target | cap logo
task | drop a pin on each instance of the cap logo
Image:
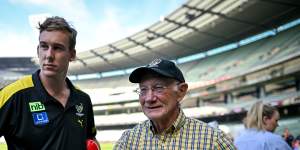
(154, 63)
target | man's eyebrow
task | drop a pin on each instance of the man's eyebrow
(54, 44)
(58, 44)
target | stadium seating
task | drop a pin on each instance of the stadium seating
(227, 64)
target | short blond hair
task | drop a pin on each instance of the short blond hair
(254, 118)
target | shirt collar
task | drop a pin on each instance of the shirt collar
(43, 92)
(177, 124)
(39, 86)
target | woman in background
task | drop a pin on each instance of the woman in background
(260, 123)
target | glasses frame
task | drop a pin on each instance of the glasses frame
(157, 89)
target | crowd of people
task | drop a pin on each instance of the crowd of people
(45, 110)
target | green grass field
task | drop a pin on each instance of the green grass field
(104, 146)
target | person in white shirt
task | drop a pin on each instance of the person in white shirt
(260, 123)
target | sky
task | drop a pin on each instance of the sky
(98, 22)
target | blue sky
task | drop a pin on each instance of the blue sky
(98, 22)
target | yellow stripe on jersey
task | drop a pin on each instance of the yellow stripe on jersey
(8, 91)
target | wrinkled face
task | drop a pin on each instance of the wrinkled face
(54, 53)
(159, 98)
(271, 123)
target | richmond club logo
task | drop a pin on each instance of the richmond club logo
(79, 109)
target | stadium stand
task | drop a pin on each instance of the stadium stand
(204, 102)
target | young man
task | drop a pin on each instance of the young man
(44, 110)
(161, 88)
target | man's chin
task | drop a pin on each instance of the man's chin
(153, 115)
(48, 72)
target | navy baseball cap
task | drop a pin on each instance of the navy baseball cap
(162, 67)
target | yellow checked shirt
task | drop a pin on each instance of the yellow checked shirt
(185, 133)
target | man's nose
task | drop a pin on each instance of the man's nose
(50, 51)
(50, 54)
(149, 95)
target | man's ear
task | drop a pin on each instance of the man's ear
(73, 54)
(182, 90)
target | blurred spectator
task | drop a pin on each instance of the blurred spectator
(296, 143)
(288, 137)
(260, 123)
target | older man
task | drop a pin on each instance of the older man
(161, 88)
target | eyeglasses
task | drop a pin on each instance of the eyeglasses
(157, 89)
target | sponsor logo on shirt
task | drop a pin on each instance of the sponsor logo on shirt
(39, 115)
(40, 118)
(36, 106)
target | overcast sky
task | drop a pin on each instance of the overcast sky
(98, 22)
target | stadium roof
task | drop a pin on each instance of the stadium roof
(17, 66)
(194, 27)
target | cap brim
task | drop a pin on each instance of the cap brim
(137, 74)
